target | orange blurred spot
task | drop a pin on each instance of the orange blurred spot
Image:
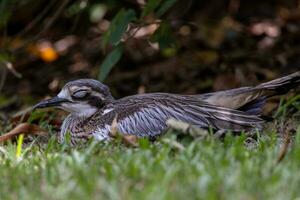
(48, 54)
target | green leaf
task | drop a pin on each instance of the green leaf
(111, 59)
(118, 26)
(166, 5)
(150, 7)
(5, 11)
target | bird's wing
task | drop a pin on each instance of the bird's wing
(148, 117)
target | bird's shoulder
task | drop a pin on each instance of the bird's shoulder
(156, 99)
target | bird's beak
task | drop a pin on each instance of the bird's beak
(56, 101)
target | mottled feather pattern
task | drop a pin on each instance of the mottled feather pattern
(146, 115)
(77, 128)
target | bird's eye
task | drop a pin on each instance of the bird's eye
(80, 94)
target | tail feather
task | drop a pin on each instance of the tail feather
(281, 85)
(235, 120)
(252, 99)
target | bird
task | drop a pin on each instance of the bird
(93, 110)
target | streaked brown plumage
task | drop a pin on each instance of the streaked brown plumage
(93, 109)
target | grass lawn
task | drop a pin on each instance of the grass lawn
(204, 169)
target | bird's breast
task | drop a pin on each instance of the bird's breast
(81, 129)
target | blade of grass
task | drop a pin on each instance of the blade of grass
(19, 145)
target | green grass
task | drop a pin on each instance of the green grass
(205, 169)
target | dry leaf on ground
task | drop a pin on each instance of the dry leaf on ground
(23, 128)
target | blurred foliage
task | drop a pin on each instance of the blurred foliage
(180, 46)
(5, 12)
(110, 61)
(118, 26)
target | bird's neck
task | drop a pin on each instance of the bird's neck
(89, 111)
(85, 112)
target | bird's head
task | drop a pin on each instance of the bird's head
(81, 97)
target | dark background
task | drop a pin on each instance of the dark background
(206, 46)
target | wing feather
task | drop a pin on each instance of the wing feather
(150, 119)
